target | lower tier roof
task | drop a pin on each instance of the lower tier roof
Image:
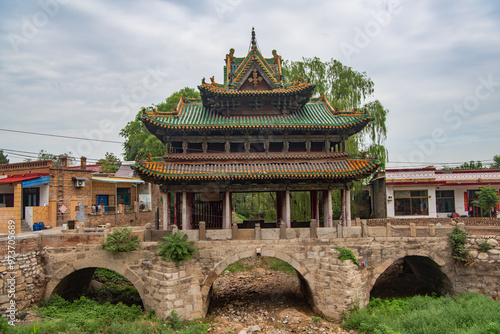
(332, 170)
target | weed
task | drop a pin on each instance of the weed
(457, 240)
(316, 320)
(347, 254)
(121, 240)
(238, 266)
(484, 246)
(176, 247)
(278, 265)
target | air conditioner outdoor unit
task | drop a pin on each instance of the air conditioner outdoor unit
(79, 183)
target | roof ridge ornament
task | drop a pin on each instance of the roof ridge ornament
(253, 42)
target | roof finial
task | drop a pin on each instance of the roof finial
(254, 42)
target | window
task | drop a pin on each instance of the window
(123, 195)
(317, 146)
(195, 148)
(411, 203)
(445, 200)
(275, 147)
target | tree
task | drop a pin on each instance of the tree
(346, 89)
(487, 198)
(471, 165)
(3, 158)
(44, 155)
(110, 163)
(496, 162)
(139, 142)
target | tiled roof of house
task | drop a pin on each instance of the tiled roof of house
(317, 114)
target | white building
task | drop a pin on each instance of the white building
(427, 192)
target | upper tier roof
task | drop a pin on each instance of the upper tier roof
(315, 115)
(256, 77)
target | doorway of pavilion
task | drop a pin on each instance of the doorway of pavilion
(220, 209)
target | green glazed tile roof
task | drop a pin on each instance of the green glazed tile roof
(315, 114)
(338, 169)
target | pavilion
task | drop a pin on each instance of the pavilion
(253, 133)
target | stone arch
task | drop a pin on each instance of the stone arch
(382, 267)
(305, 277)
(85, 265)
(425, 264)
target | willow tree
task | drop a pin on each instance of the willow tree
(346, 89)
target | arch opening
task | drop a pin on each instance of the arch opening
(99, 284)
(411, 276)
(259, 286)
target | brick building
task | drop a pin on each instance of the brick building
(39, 191)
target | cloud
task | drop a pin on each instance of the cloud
(66, 76)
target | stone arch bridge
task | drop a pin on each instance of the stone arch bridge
(65, 263)
(330, 285)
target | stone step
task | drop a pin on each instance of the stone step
(25, 227)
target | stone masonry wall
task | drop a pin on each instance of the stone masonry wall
(483, 273)
(22, 274)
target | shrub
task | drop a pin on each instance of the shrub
(347, 254)
(484, 246)
(121, 240)
(175, 247)
(458, 239)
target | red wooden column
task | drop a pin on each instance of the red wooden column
(288, 220)
(177, 209)
(327, 208)
(348, 207)
(190, 210)
(315, 206)
(279, 206)
(185, 222)
(226, 210)
(165, 197)
(343, 207)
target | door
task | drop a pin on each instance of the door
(31, 197)
(103, 200)
(474, 209)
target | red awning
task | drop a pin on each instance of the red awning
(21, 177)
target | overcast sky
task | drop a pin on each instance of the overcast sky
(84, 68)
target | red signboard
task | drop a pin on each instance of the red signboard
(466, 201)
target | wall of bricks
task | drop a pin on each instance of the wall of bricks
(121, 219)
(14, 213)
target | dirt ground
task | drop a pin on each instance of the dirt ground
(263, 301)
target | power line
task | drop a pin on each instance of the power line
(34, 155)
(60, 136)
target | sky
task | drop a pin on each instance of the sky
(83, 69)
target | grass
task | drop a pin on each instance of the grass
(466, 313)
(88, 316)
(105, 275)
(261, 262)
